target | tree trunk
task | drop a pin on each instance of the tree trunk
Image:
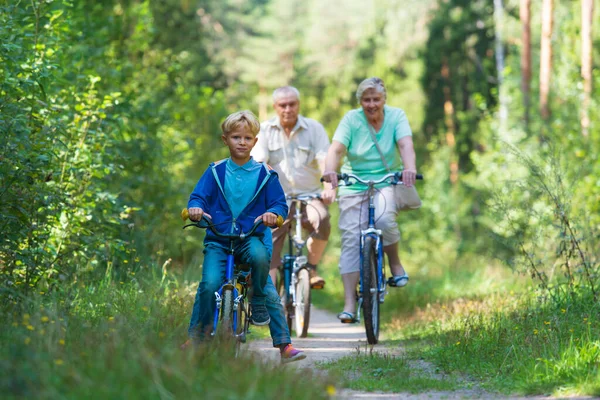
(449, 122)
(499, 27)
(587, 14)
(546, 57)
(525, 15)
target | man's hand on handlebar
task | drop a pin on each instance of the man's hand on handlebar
(328, 196)
(196, 213)
(268, 219)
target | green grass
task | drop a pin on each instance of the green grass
(515, 343)
(120, 339)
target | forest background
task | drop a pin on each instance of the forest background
(110, 111)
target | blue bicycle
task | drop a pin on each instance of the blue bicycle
(232, 298)
(372, 284)
(294, 277)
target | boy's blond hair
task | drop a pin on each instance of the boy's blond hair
(241, 119)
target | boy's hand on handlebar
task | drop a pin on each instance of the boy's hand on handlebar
(196, 213)
(331, 177)
(409, 177)
(328, 196)
(268, 219)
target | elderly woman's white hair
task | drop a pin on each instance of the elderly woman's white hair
(371, 83)
(285, 90)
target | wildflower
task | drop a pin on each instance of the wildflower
(457, 343)
(330, 390)
(562, 310)
(585, 319)
(61, 342)
(27, 340)
(59, 362)
(25, 316)
(571, 330)
(145, 308)
(45, 319)
(30, 327)
(535, 331)
(111, 319)
(546, 322)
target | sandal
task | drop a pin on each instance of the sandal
(398, 280)
(346, 317)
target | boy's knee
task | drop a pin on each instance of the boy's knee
(259, 255)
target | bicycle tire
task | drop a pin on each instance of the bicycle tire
(227, 312)
(370, 286)
(302, 309)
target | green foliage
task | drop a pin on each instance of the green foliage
(127, 332)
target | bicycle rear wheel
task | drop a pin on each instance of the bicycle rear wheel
(302, 309)
(370, 285)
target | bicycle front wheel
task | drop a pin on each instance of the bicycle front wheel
(302, 309)
(227, 313)
(370, 286)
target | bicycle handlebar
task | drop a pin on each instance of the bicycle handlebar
(394, 177)
(206, 223)
(302, 197)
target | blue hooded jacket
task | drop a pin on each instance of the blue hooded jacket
(209, 195)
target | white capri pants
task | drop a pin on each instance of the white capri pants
(354, 216)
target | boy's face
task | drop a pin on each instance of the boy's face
(240, 142)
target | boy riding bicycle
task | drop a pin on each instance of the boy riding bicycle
(234, 193)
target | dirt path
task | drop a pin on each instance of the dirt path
(329, 339)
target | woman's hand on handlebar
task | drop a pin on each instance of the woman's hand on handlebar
(268, 218)
(196, 213)
(409, 177)
(331, 177)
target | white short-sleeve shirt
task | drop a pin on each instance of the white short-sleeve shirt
(295, 159)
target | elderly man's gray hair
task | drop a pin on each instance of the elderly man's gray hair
(371, 83)
(283, 91)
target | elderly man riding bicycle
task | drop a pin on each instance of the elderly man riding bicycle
(296, 147)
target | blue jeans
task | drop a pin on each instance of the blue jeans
(251, 251)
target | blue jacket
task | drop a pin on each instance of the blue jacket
(209, 195)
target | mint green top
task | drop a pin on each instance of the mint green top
(240, 184)
(362, 157)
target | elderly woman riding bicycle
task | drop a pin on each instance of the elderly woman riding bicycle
(376, 139)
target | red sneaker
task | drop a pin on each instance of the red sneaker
(290, 354)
